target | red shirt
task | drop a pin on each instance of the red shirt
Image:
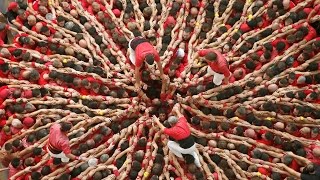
(317, 9)
(4, 138)
(90, 10)
(180, 130)
(142, 50)
(310, 155)
(221, 66)
(3, 33)
(294, 165)
(42, 81)
(59, 140)
(13, 171)
(311, 34)
(35, 4)
(244, 27)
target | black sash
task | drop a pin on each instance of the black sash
(187, 142)
(135, 42)
(53, 150)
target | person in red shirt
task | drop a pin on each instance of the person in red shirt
(183, 142)
(58, 144)
(141, 50)
(218, 65)
(14, 167)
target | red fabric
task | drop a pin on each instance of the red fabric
(4, 138)
(84, 91)
(311, 34)
(90, 10)
(116, 12)
(276, 41)
(41, 80)
(13, 171)
(170, 21)
(28, 121)
(291, 5)
(263, 171)
(3, 122)
(37, 159)
(142, 50)
(244, 27)
(12, 5)
(180, 130)
(4, 93)
(220, 66)
(3, 33)
(294, 165)
(317, 9)
(59, 140)
(27, 94)
(310, 155)
(307, 10)
(264, 141)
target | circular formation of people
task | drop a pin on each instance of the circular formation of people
(160, 89)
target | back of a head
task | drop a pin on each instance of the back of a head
(211, 56)
(172, 120)
(149, 59)
(65, 126)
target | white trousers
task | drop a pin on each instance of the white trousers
(217, 77)
(132, 53)
(61, 156)
(178, 151)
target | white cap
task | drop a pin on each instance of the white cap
(180, 53)
(50, 16)
(16, 123)
(93, 162)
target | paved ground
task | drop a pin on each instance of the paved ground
(3, 174)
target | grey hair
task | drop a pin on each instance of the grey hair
(172, 120)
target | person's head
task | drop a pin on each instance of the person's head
(314, 132)
(35, 175)
(172, 120)
(279, 126)
(8, 147)
(37, 151)
(310, 168)
(316, 152)
(65, 127)
(149, 59)
(29, 161)
(211, 56)
(250, 133)
(15, 162)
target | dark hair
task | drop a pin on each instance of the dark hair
(269, 136)
(15, 162)
(16, 143)
(252, 23)
(149, 59)
(243, 149)
(17, 52)
(44, 29)
(211, 56)
(271, 14)
(301, 152)
(35, 175)
(280, 46)
(225, 126)
(37, 151)
(56, 161)
(65, 126)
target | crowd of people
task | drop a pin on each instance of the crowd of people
(160, 89)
